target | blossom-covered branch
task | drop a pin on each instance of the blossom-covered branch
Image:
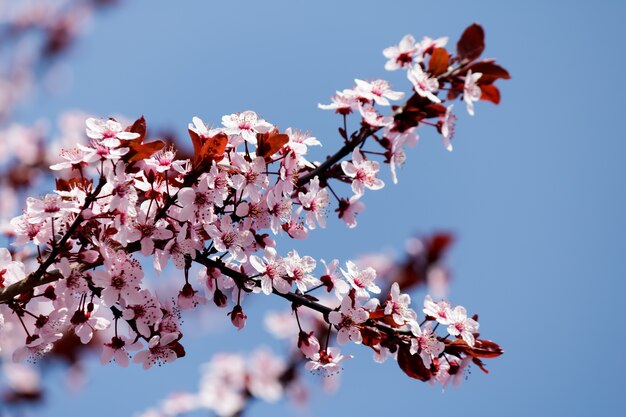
(246, 182)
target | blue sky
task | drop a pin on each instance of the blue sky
(532, 189)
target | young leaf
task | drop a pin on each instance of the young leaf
(472, 42)
(270, 143)
(490, 92)
(439, 62)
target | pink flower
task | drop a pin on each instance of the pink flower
(250, 177)
(299, 269)
(108, 132)
(471, 91)
(361, 280)
(188, 298)
(163, 160)
(448, 122)
(146, 312)
(331, 279)
(348, 209)
(237, 317)
(85, 322)
(264, 376)
(315, 202)
(75, 158)
(438, 311)
(343, 102)
(246, 125)
(402, 55)
(427, 44)
(230, 238)
(10, 271)
(425, 343)
(373, 118)
(346, 320)
(363, 173)
(397, 305)
(326, 362)
(308, 344)
(272, 272)
(423, 84)
(120, 277)
(158, 351)
(378, 90)
(461, 325)
(116, 350)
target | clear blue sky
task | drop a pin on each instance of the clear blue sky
(532, 189)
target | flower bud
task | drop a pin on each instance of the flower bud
(237, 317)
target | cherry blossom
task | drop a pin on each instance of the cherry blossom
(121, 278)
(471, 91)
(158, 352)
(343, 102)
(272, 271)
(425, 343)
(363, 172)
(448, 123)
(378, 90)
(349, 208)
(398, 306)
(347, 320)
(246, 124)
(108, 133)
(299, 270)
(361, 280)
(315, 203)
(423, 84)
(461, 325)
(326, 361)
(402, 55)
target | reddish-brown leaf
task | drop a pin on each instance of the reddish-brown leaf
(196, 141)
(214, 147)
(270, 143)
(139, 151)
(472, 42)
(480, 364)
(437, 245)
(67, 185)
(490, 92)
(209, 149)
(439, 61)
(412, 365)
(486, 349)
(139, 127)
(490, 71)
(481, 349)
(371, 337)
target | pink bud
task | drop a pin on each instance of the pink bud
(237, 317)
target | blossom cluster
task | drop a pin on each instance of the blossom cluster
(123, 205)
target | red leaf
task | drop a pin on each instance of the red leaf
(480, 364)
(270, 143)
(486, 349)
(412, 365)
(139, 127)
(437, 245)
(490, 92)
(481, 349)
(490, 71)
(139, 151)
(206, 150)
(439, 61)
(472, 42)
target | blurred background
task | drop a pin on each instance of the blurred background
(532, 190)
